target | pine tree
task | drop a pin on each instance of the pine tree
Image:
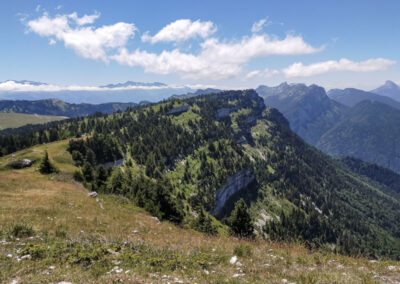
(46, 167)
(240, 220)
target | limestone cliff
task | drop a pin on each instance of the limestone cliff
(234, 183)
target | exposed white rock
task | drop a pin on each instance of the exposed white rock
(92, 194)
(238, 275)
(233, 259)
(28, 256)
(233, 184)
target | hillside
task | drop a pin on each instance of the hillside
(374, 172)
(190, 161)
(350, 97)
(309, 110)
(59, 108)
(14, 120)
(74, 240)
(369, 132)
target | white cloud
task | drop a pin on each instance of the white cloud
(181, 30)
(258, 26)
(87, 41)
(262, 73)
(370, 65)
(216, 60)
(84, 20)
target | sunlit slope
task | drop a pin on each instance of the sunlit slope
(13, 120)
(75, 240)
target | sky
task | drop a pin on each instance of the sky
(226, 44)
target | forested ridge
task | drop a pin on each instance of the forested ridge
(177, 154)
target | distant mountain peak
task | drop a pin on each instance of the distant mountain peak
(134, 84)
(390, 84)
(28, 82)
(389, 89)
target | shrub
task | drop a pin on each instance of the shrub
(21, 231)
(242, 250)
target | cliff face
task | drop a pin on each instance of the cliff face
(233, 184)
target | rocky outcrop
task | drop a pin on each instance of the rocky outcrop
(20, 164)
(234, 183)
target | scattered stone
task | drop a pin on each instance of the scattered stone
(391, 267)
(110, 251)
(238, 263)
(206, 272)
(52, 267)
(238, 275)
(101, 205)
(78, 217)
(156, 219)
(92, 194)
(28, 256)
(14, 281)
(9, 255)
(135, 231)
(284, 280)
(373, 261)
(233, 259)
(116, 262)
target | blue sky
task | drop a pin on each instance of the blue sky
(330, 43)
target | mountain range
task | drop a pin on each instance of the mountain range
(60, 108)
(128, 92)
(347, 122)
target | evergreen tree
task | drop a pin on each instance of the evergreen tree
(240, 220)
(46, 167)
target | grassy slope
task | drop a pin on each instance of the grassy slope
(150, 251)
(13, 120)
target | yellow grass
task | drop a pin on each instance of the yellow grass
(56, 202)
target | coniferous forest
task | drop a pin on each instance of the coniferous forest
(226, 160)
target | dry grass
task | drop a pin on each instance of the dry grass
(55, 203)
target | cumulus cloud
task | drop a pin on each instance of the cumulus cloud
(216, 60)
(87, 41)
(262, 73)
(370, 65)
(258, 26)
(181, 30)
(84, 20)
